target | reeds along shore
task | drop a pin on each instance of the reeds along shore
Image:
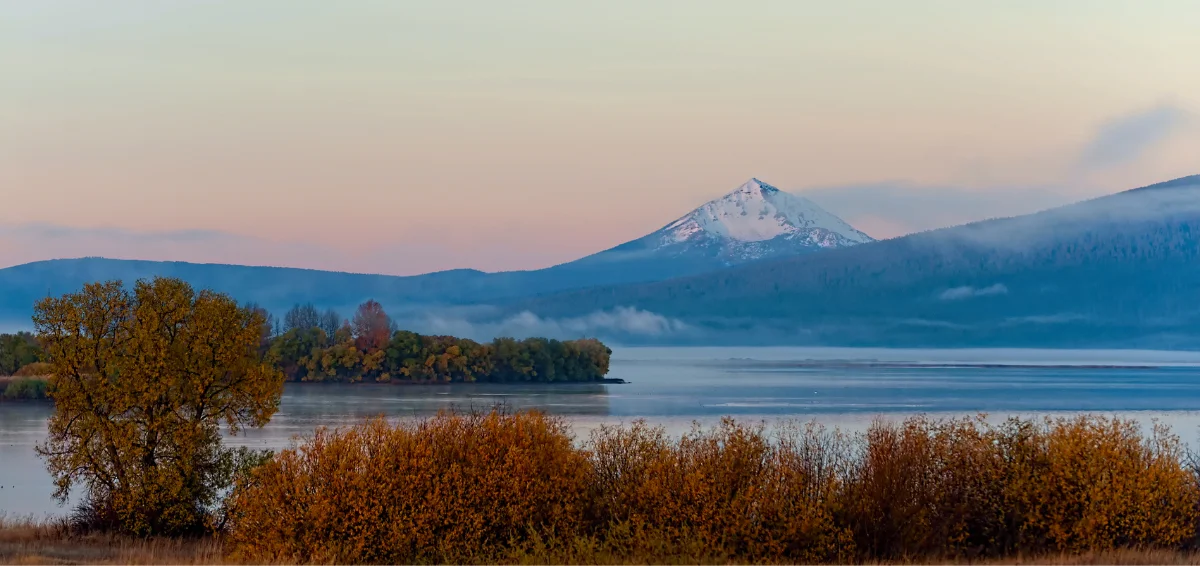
(515, 488)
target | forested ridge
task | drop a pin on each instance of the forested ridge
(1143, 230)
(1117, 271)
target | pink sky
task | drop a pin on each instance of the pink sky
(402, 137)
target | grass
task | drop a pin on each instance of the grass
(29, 541)
(26, 541)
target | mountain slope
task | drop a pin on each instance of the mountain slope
(1119, 270)
(273, 287)
(753, 222)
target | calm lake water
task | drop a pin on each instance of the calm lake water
(675, 387)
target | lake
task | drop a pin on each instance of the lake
(675, 387)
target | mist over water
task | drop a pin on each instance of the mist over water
(676, 387)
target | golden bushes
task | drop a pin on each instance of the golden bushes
(35, 369)
(450, 488)
(729, 490)
(499, 487)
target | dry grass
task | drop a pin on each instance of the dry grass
(32, 542)
(27, 541)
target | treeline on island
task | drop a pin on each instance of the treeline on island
(312, 346)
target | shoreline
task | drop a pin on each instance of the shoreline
(36, 394)
(5, 381)
(404, 383)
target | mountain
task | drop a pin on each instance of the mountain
(754, 222)
(1116, 271)
(273, 287)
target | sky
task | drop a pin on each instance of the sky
(404, 137)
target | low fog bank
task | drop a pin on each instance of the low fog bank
(631, 326)
(623, 325)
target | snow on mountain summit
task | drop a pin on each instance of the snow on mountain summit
(755, 221)
(758, 212)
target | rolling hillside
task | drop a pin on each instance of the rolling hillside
(1117, 271)
(751, 223)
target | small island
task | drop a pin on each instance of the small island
(309, 346)
(312, 347)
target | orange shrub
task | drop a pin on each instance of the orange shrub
(1095, 483)
(733, 490)
(957, 488)
(452, 488)
(513, 488)
(36, 369)
(927, 488)
(702, 489)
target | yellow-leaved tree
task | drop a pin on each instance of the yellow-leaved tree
(142, 381)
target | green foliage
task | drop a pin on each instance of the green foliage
(26, 388)
(17, 351)
(360, 352)
(371, 350)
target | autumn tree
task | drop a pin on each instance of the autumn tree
(372, 327)
(142, 381)
(267, 330)
(301, 317)
(330, 322)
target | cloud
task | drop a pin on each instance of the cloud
(889, 210)
(1061, 318)
(26, 243)
(35, 242)
(967, 292)
(619, 321)
(1126, 139)
(924, 322)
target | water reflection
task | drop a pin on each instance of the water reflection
(305, 407)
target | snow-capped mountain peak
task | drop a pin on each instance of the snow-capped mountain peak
(754, 221)
(759, 212)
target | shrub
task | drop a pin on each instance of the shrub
(734, 491)
(513, 488)
(35, 369)
(454, 488)
(26, 388)
(1095, 483)
(958, 488)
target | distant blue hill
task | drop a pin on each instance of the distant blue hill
(752, 223)
(1121, 271)
(1118, 271)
